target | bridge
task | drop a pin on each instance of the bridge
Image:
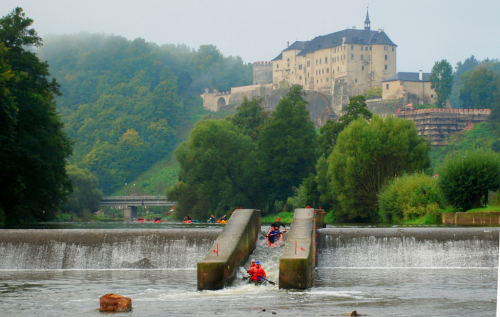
(130, 203)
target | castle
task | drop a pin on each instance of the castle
(338, 66)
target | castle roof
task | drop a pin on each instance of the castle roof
(406, 76)
(352, 36)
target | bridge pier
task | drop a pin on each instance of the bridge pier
(129, 213)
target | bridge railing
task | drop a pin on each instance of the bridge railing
(114, 198)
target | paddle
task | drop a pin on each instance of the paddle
(270, 282)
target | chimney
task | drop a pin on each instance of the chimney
(287, 44)
(420, 75)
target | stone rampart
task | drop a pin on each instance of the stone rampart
(231, 249)
(437, 124)
(298, 260)
(238, 93)
(263, 73)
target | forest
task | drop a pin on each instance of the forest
(125, 102)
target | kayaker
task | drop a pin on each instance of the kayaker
(273, 234)
(278, 223)
(257, 272)
(223, 218)
(212, 219)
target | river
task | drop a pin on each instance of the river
(364, 274)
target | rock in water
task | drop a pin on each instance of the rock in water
(115, 303)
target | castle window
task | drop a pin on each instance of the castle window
(327, 70)
(370, 48)
(316, 62)
(338, 69)
(277, 65)
(300, 66)
(386, 86)
(393, 49)
(352, 47)
(352, 56)
(361, 47)
(317, 81)
(307, 75)
(321, 80)
(326, 60)
(300, 77)
(385, 67)
(288, 64)
(362, 57)
(362, 67)
(366, 48)
(385, 48)
(355, 80)
(432, 96)
(288, 60)
(320, 61)
(308, 63)
(327, 80)
(385, 57)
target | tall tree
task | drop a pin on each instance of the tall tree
(287, 146)
(250, 117)
(478, 88)
(329, 132)
(216, 170)
(442, 80)
(33, 182)
(366, 156)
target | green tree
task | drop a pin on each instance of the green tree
(287, 147)
(329, 132)
(409, 197)
(34, 182)
(250, 117)
(86, 195)
(216, 170)
(465, 177)
(366, 156)
(374, 92)
(442, 80)
(479, 87)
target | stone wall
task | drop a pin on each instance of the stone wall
(437, 124)
(238, 93)
(385, 106)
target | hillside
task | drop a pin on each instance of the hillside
(127, 104)
(484, 135)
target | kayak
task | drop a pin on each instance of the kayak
(157, 221)
(256, 283)
(277, 240)
(188, 221)
(141, 220)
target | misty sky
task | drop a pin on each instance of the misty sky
(424, 30)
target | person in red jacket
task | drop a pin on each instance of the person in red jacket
(257, 272)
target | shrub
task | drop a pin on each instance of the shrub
(465, 177)
(410, 197)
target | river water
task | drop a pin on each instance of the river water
(379, 284)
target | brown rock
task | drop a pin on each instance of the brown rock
(115, 303)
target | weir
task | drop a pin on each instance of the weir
(231, 249)
(84, 249)
(408, 247)
(298, 260)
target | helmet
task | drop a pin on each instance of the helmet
(257, 262)
(253, 260)
(278, 219)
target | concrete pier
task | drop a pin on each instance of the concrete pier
(298, 260)
(129, 213)
(231, 249)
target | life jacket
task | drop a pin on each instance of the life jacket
(257, 272)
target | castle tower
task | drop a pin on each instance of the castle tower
(367, 21)
(262, 73)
